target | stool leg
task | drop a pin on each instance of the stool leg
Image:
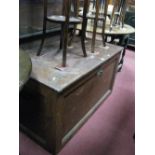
(44, 27)
(42, 43)
(67, 6)
(76, 9)
(61, 38)
(83, 45)
(43, 39)
(95, 26)
(104, 23)
(84, 25)
(72, 34)
(123, 42)
(83, 33)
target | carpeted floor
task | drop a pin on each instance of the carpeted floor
(110, 130)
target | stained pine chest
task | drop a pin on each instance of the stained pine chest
(54, 104)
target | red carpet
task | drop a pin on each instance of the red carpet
(110, 130)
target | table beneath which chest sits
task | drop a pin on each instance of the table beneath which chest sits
(54, 104)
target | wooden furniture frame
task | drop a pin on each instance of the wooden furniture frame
(117, 17)
(65, 20)
(97, 5)
(95, 24)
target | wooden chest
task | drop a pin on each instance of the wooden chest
(54, 104)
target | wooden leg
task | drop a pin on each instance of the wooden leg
(43, 38)
(72, 34)
(104, 38)
(41, 46)
(83, 33)
(84, 25)
(104, 23)
(67, 6)
(61, 38)
(64, 49)
(76, 11)
(83, 46)
(123, 42)
(95, 27)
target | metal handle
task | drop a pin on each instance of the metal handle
(100, 72)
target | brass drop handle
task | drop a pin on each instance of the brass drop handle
(100, 72)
